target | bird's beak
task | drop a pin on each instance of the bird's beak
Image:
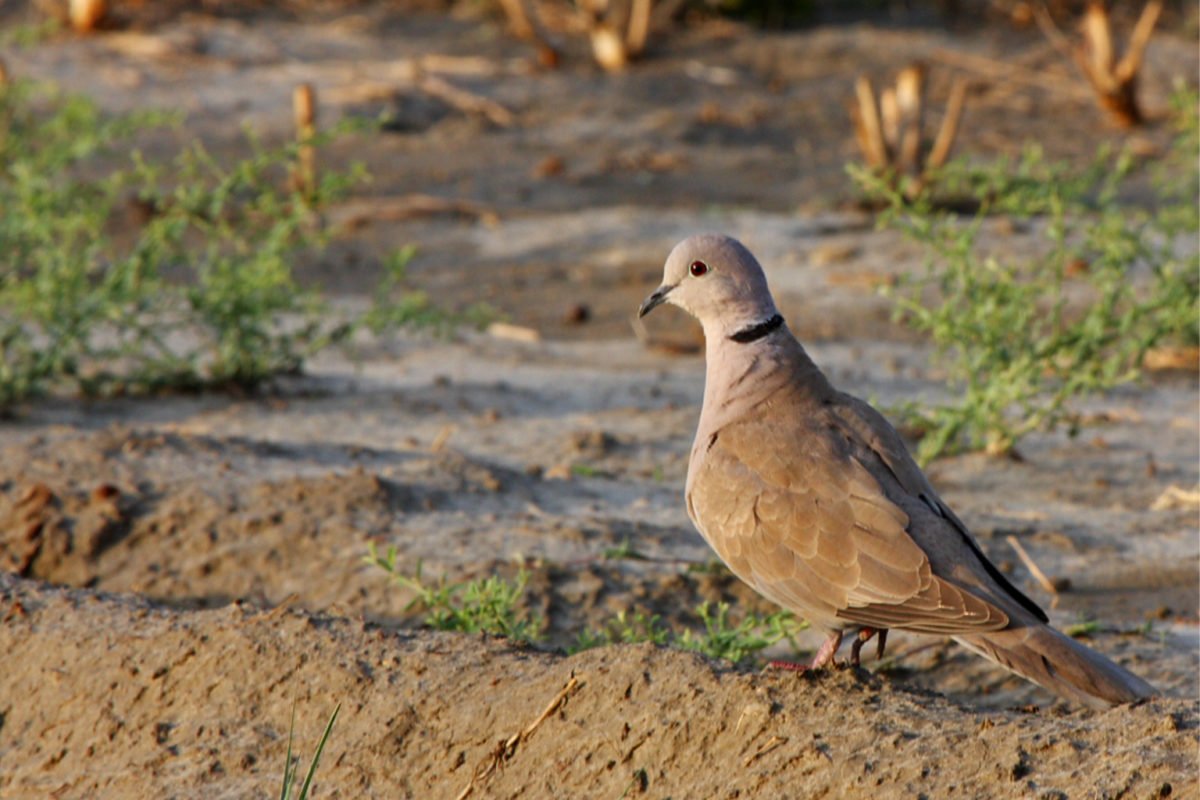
(656, 299)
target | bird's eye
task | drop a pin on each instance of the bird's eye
(698, 268)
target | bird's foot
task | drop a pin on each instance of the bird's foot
(864, 635)
(824, 656)
(822, 659)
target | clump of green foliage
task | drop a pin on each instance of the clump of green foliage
(288, 789)
(125, 274)
(489, 605)
(719, 637)
(1021, 339)
(493, 605)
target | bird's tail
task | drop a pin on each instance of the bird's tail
(1059, 663)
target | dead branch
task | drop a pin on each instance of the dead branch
(518, 18)
(891, 131)
(910, 96)
(948, 130)
(616, 29)
(526, 25)
(465, 101)
(87, 14)
(304, 111)
(608, 48)
(639, 27)
(1114, 81)
(867, 127)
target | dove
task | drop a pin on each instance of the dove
(811, 497)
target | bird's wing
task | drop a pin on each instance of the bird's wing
(791, 511)
(882, 451)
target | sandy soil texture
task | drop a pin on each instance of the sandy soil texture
(181, 572)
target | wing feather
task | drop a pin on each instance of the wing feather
(811, 528)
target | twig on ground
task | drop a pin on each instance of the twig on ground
(773, 743)
(465, 101)
(1050, 586)
(506, 749)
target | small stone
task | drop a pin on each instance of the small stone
(577, 314)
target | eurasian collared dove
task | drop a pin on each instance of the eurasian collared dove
(810, 496)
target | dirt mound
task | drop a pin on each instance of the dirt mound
(198, 703)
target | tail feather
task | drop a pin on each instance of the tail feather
(1057, 662)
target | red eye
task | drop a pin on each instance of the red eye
(698, 268)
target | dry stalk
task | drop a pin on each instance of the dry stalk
(890, 130)
(87, 14)
(639, 27)
(617, 29)
(506, 749)
(304, 111)
(526, 25)
(1114, 80)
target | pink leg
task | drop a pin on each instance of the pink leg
(823, 658)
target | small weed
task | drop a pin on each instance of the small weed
(20, 37)
(289, 769)
(492, 605)
(712, 566)
(719, 638)
(398, 305)
(625, 628)
(588, 471)
(1021, 341)
(489, 605)
(741, 642)
(1082, 630)
(624, 551)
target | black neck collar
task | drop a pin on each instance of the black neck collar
(757, 331)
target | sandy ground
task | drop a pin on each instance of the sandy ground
(183, 571)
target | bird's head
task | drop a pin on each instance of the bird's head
(716, 280)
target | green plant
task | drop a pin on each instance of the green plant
(289, 768)
(1020, 340)
(1082, 630)
(624, 551)
(490, 605)
(194, 288)
(625, 628)
(742, 641)
(397, 304)
(719, 637)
